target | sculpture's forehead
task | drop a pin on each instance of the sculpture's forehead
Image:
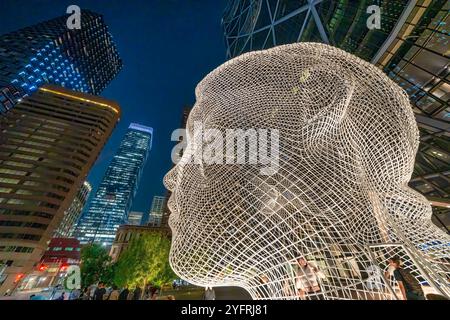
(278, 60)
(271, 98)
(297, 80)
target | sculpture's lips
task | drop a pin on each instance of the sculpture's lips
(173, 212)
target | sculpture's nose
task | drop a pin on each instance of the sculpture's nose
(170, 179)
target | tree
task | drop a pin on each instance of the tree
(144, 261)
(95, 265)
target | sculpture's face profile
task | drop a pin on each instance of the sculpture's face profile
(347, 143)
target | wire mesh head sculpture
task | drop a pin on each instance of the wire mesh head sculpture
(339, 198)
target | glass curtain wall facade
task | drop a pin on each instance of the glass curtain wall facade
(412, 47)
(258, 24)
(112, 202)
(84, 60)
(72, 214)
(135, 218)
(156, 212)
(418, 59)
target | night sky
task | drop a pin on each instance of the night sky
(167, 47)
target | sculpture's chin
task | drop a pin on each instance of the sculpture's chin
(190, 265)
(191, 274)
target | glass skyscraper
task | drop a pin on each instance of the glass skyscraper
(412, 48)
(84, 60)
(135, 218)
(156, 212)
(112, 202)
(73, 213)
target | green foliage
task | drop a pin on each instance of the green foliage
(145, 261)
(95, 265)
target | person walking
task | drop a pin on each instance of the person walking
(137, 293)
(155, 295)
(410, 287)
(98, 294)
(307, 280)
(91, 292)
(74, 294)
(108, 291)
(114, 295)
(85, 294)
(124, 294)
(209, 294)
(62, 296)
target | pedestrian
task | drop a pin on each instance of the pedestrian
(85, 294)
(155, 295)
(209, 294)
(74, 294)
(263, 286)
(146, 294)
(62, 296)
(100, 291)
(114, 295)
(92, 290)
(107, 293)
(137, 293)
(408, 284)
(307, 281)
(124, 294)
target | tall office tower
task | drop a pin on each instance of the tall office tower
(411, 47)
(135, 218)
(84, 60)
(112, 202)
(156, 212)
(50, 140)
(73, 213)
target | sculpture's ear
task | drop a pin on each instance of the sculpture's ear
(321, 129)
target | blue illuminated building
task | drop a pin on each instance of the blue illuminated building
(112, 203)
(83, 59)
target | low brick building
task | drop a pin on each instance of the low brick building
(126, 233)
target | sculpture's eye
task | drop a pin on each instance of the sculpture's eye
(321, 88)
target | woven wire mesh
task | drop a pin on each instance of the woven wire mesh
(340, 199)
